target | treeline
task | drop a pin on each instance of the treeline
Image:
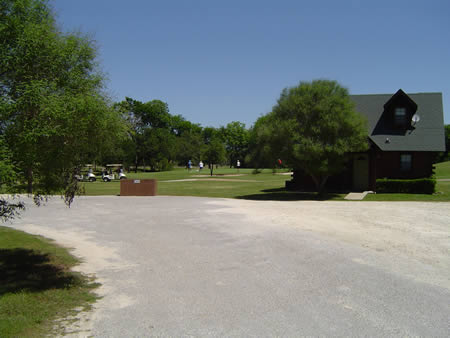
(154, 139)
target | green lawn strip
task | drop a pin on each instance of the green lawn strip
(442, 170)
(181, 173)
(99, 188)
(263, 186)
(207, 186)
(37, 286)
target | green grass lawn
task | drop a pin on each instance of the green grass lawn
(443, 170)
(36, 285)
(262, 186)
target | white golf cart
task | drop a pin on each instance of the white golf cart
(89, 176)
(108, 174)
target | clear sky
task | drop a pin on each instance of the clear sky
(220, 61)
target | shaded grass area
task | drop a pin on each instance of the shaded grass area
(281, 194)
(36, 285)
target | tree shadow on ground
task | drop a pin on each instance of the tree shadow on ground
(281, 194)
(29, 270)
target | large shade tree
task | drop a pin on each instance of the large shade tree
(54, 113)
(315, 126)
(151, 132)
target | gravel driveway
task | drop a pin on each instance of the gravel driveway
(185, 266)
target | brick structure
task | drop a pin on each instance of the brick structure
(138, 187)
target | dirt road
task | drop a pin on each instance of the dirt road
(182, 266)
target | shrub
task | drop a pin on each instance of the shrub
(412, 186)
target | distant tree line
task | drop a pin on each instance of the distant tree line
(156, 140)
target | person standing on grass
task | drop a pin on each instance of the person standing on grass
(238, 165)
(200, 165)
(189, 165)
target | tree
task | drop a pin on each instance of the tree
(320, 127)
(132, 145)
(236, 137)
(208, 134)
(265, 143)
(159, 148)
(447, 140)
(214, 153)
(54, 112)
(154, 114)
(179, 126)
(445, 156)
(151, 132)
(8, 177)
(190, 146)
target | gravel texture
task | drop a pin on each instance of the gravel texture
(185, 266)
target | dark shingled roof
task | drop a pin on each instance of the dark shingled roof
(427, 134)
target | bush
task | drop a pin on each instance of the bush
(414, 186)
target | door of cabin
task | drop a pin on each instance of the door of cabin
(361, 172)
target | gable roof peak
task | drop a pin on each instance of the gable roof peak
(400, 95)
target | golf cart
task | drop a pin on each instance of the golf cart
(89, 176)
(107, 174)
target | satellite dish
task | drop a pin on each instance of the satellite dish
(415, 119)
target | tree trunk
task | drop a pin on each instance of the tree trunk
(321, 189)
(135, 164)
(320, 184)
(212, 168)
(30, 180)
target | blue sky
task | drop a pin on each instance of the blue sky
(220, 61)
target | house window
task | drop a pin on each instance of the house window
(405, 162)
(400, 116)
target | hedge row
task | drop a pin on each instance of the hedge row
(416, 186)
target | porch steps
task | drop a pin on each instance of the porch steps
(357, 196)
